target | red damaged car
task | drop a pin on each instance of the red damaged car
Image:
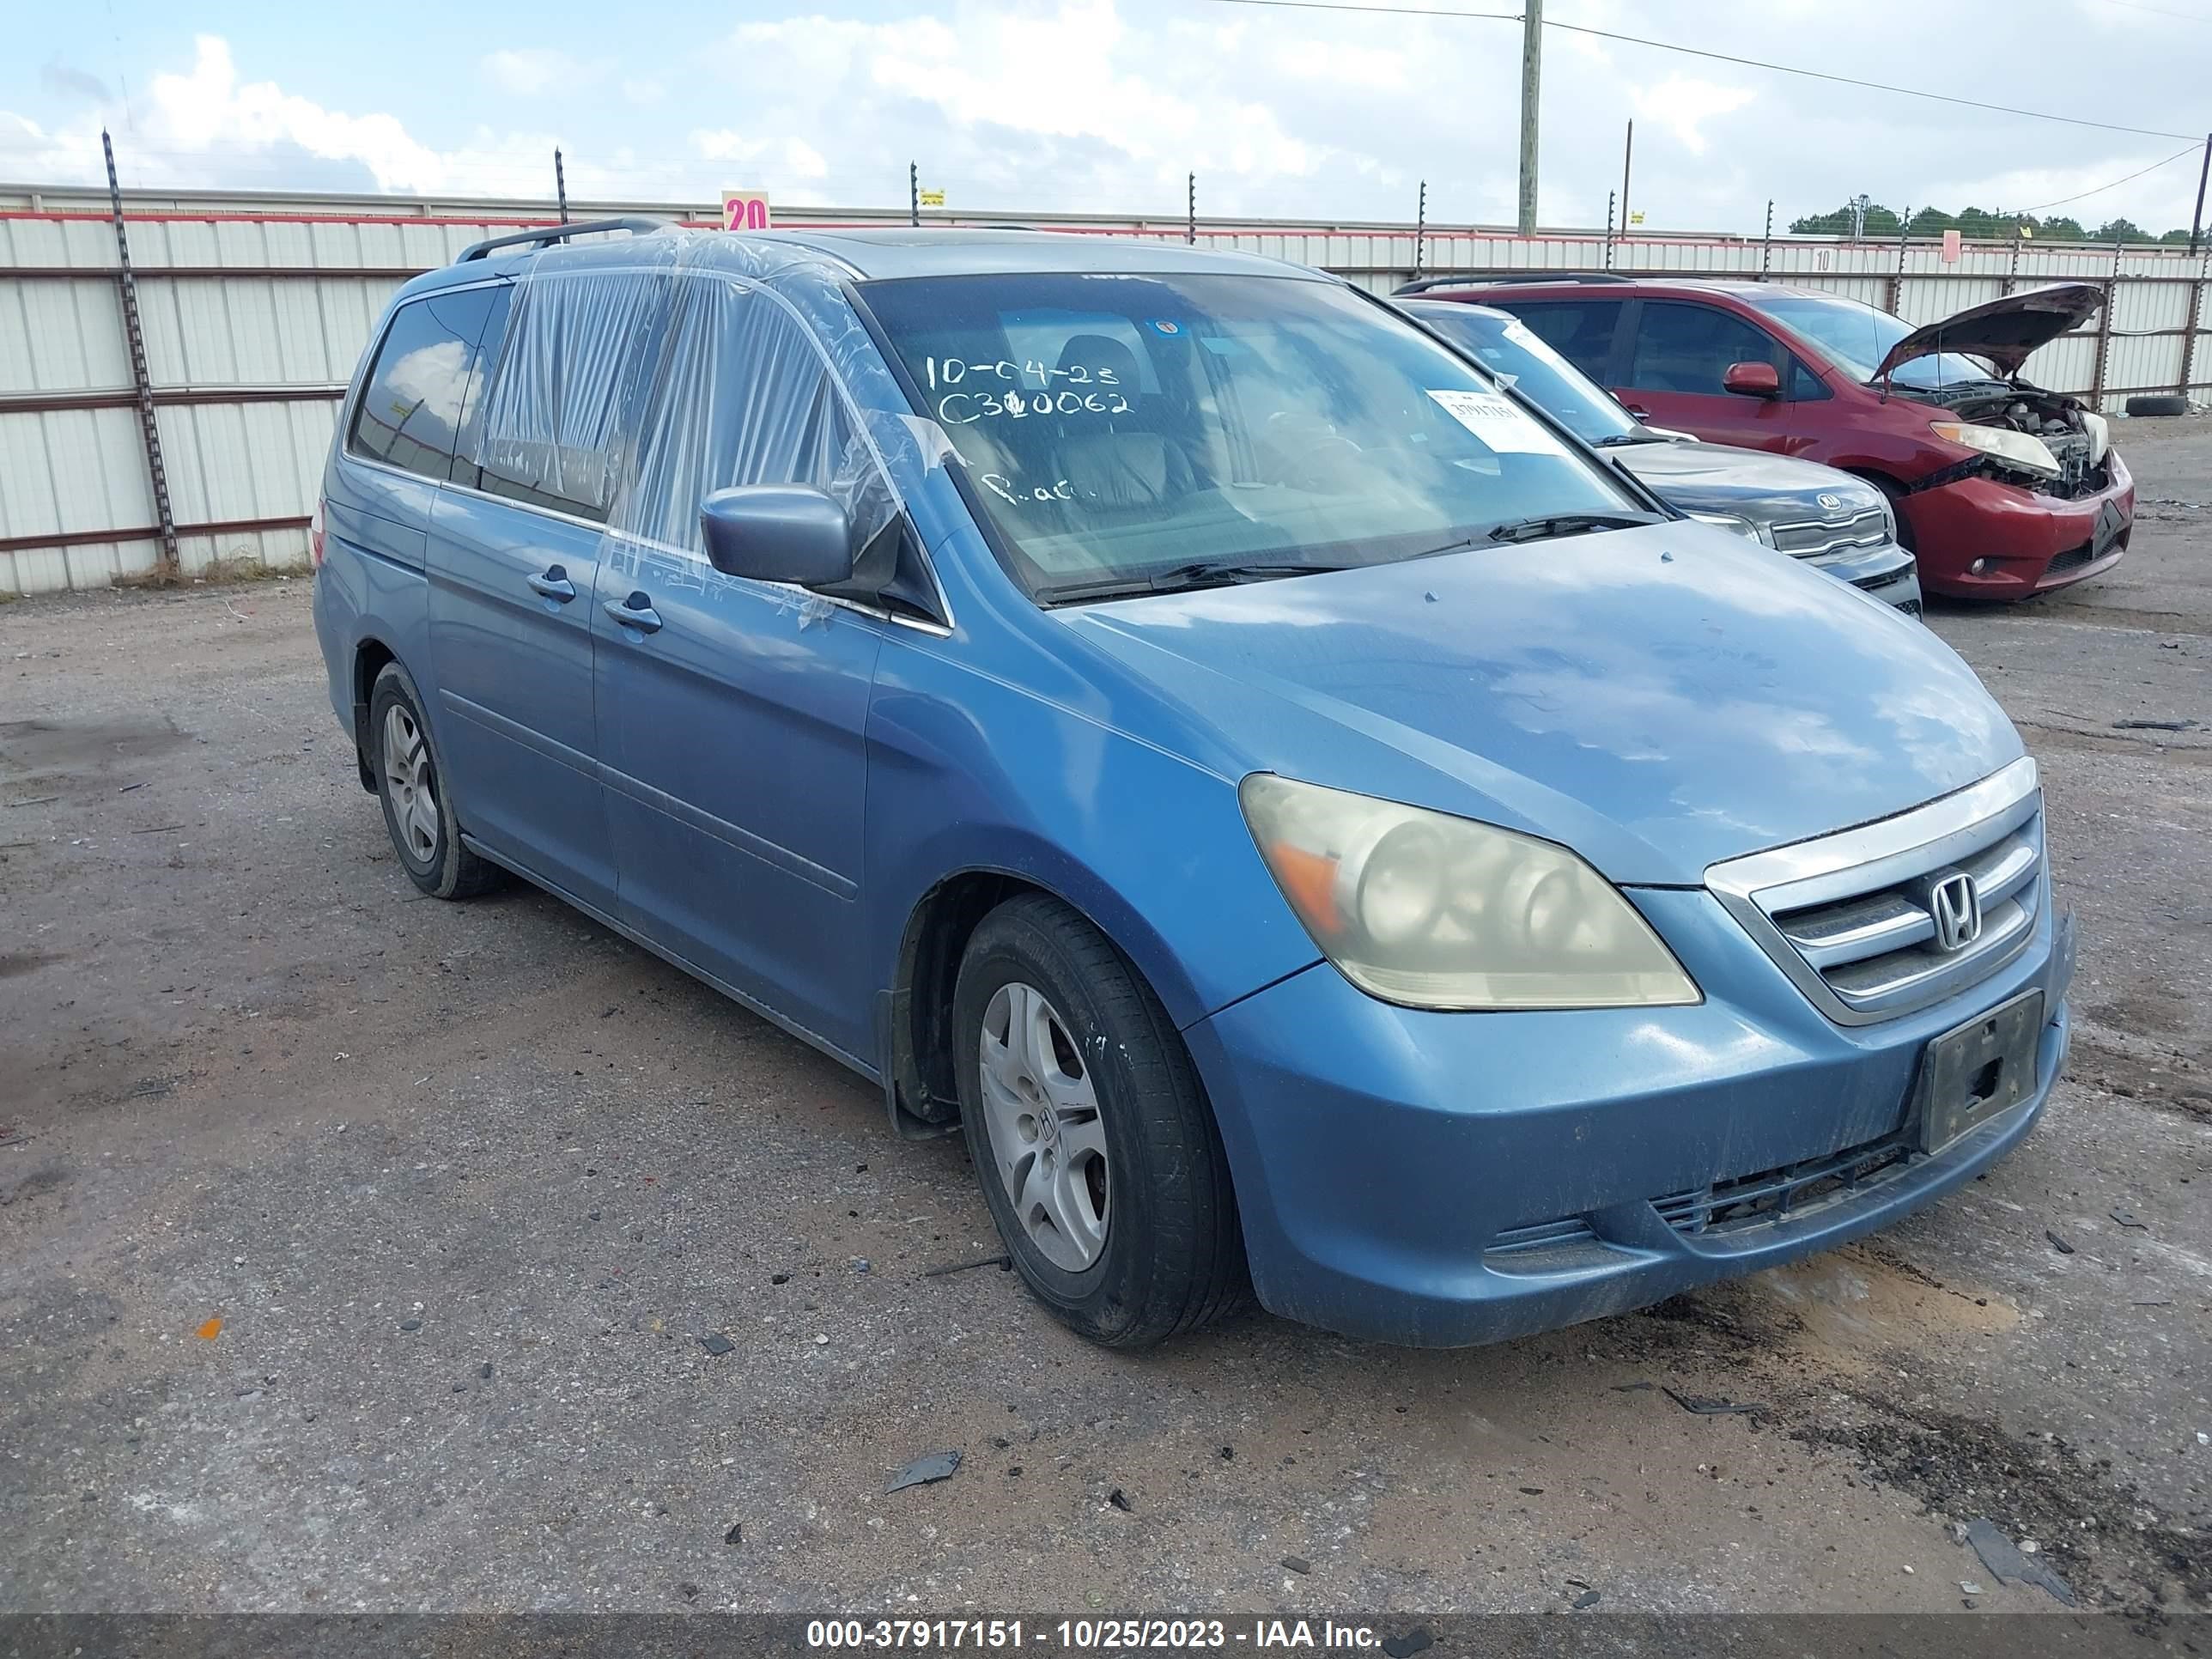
(2002, 490)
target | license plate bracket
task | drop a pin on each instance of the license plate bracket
(1976, 1070)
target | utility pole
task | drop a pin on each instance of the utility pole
(2197, 219)
(561, 186)
(1627, 160)
(1420, 226)
(1609, 230)
(1532, 67)
(1766, 247)
(1190, 207)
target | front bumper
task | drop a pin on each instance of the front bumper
(1394, 1167)
(1887, 572)
(2028, 543)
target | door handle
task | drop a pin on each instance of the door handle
(553, 585)
(635, 611)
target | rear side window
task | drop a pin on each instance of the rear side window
(465, 468)
(1581, 330)
(1688, 348)
(569, 375)
(410, 409)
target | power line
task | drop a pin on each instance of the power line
(1719, 56)
(2178, 155)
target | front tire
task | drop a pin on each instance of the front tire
(1091, 1135)
(410, 783)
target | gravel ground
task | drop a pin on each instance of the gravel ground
(356, 1248)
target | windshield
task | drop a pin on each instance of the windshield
(1856, 338)
(1508, 349)
(1118, 428)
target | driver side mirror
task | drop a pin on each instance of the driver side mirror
(778, 533)
(1752, 380)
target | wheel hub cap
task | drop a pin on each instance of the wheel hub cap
(411, 784)
(1047, 1140)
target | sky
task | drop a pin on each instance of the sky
(1105, 105)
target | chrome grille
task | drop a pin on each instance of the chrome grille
(1812, 539)
(1849, 917)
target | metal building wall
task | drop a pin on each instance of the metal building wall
(256, 309)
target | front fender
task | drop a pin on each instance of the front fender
(969, 774)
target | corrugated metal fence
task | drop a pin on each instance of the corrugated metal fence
(255, 307)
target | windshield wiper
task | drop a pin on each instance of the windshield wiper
(1181, 578)
(1612, 440)
(1566, 523)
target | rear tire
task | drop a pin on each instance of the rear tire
(1092, 1139)
(409, 778)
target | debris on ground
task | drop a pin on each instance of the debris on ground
(716, 1344)
(1587, 1599)
(1002, 1263)
(1633, 1388)
(1968, 1586)
(2011, 1564)
(2153, 725)
(1297, 1564)
(935, 1466)
(2128, 1219)
(1698, 1404)
(484, 1370)
(735, 1534)
(410, 1324)
(1414, 1641)
(1119, 1499)
(2058, 1244)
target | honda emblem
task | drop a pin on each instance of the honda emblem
(1954, 904)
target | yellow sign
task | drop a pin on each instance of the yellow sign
(745, 210)
(932, 198)
(1635, 218)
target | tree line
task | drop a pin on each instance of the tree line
(1983, 223)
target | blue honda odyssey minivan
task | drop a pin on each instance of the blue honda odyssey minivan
(1318, 830)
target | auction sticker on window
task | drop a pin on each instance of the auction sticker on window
(1498, 423)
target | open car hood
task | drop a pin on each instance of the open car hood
(2003, 330)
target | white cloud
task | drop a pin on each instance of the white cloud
(1683, 105)
(1021, 106)
(776, 162)
(528, 70)
(207, 108)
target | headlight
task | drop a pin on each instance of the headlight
(1740, 526)
(1437, 912)
(2019, 449)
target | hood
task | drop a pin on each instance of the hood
(1657, 699)
(1700, 477)
(2006, 331)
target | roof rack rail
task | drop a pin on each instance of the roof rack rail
(1505, 278)
(637, 226)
